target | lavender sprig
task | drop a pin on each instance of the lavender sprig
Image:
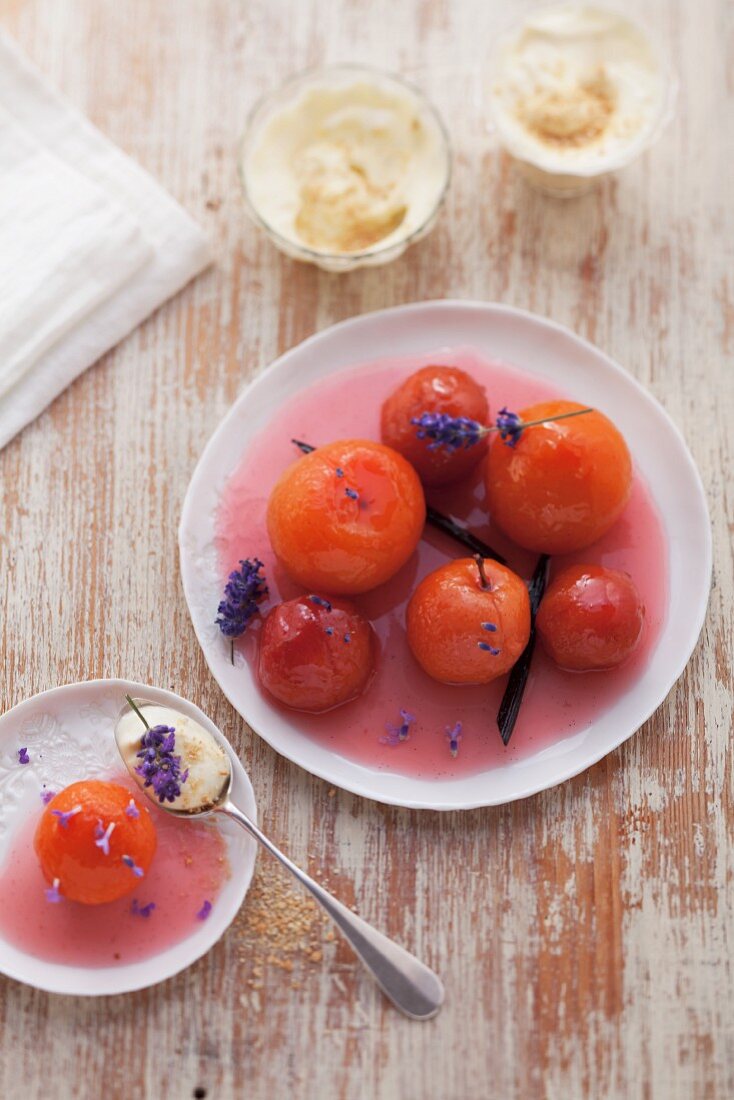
(454, 433)
(244, 590)
(492, 628)
(397, 734)
(509, 425)
(321, 602)
(65, 816)
(130, 862)
(160, 768)
(453, 736)
(103, 836)
(139, 910)
(134, 706)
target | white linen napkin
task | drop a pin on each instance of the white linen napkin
(89, 243)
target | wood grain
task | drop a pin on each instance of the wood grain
(585, 935)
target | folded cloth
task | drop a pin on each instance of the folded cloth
(64, 248)
(90, 245)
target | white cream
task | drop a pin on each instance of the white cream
(207, 763)
(346, 167)
(577, 89)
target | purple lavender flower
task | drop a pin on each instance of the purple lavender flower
(130, 862)
(52, 892)
(509, 426)
(132, 811)
(329, 630)
(320, 602)
(347, 637)
(103, 836)
(393, 735)
(396, 734)
(204, 911)
(47, 796)
(23, 757)
(244, 590)
(65, 816)
(352, 493)
(139, 910)
(456, 432)
(491, 627)
(451, 432)
(339, 472)
(159, 767)
(453, 736)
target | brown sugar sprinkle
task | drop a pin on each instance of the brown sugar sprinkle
(279, 925)
(576, 116)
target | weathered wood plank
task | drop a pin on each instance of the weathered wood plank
(585, 935)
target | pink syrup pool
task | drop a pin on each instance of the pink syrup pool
(189, 867)
(556, 704)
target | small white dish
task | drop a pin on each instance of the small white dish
(69, 734)
(578, 370)
(341, 79)
(565, 173)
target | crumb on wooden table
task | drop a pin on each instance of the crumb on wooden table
(279, 926)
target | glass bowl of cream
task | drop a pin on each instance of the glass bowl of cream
(345, 166)
(577, 92)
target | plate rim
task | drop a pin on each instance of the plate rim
(133, 984)
(537, 321)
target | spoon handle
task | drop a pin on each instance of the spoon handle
(411, 986)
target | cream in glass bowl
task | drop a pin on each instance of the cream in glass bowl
(577, 91)
(345, 166)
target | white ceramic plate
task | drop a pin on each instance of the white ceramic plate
(69, 735)
(580, 371)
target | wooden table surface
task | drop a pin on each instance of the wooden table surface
(585, 935)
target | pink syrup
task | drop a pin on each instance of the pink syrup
(556, 704)
(189, 868)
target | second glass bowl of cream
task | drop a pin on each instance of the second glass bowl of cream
(345, 166)
(577, 92)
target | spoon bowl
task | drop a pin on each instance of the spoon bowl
(208, 768)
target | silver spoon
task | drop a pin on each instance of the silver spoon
(410, 984)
